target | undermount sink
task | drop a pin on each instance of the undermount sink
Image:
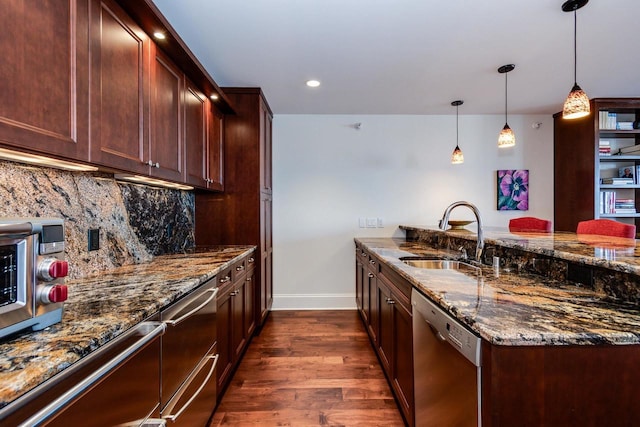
(439, 264)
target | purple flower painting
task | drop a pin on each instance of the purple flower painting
(513, 190)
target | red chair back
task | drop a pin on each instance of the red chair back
(529, 223)
(606, 227)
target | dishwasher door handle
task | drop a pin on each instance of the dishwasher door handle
(435, 331)
(76, 391)
(174, 400)
(174, 322)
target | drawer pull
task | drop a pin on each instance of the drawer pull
(372, 262)
(371, 275)
(252, 259)
(225, 279)
(240, 268)
(171, 405)
(174, 322)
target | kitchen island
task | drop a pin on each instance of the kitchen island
(559, 318)
(101, 308)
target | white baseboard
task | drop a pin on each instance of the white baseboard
(314, 302)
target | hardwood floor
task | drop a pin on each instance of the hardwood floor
(309, 368)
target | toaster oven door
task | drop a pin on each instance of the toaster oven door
(16, 283)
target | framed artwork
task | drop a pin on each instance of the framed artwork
(513, 190)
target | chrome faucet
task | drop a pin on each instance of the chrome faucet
(444, 222)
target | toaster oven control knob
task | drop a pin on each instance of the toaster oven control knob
(51, 268)
(53, 293)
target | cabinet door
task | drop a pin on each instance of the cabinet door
(238, 335)
(120, 62)
(44, 89)
(195, 133)
(372, 305)
(266, 258)
(359, 280)
(215, 149)
(249, 309)
(402, 357)
(166, 142)
(385, 337)
(265, 148)
(224, 326)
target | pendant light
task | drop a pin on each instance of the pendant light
(577, 103)
(506, 138)
(457, 157)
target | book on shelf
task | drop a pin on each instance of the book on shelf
(607, 202)
(617, 181)
(604, 147)
(624, 126)
(607, 120)
(610, 205)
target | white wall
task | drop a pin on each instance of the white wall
(327, 174)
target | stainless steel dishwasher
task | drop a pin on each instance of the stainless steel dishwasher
(447, 369)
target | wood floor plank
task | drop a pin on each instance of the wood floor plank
(309, 368)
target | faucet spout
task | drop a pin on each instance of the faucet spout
(444, 222)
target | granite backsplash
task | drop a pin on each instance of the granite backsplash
(136, 222)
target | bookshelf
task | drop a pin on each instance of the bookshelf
(588, 164)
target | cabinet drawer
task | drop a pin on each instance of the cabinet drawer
(238, 270)
(224, 278)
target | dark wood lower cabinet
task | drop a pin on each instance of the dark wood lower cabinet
(236, 317)
(384, 304)
(560, 385)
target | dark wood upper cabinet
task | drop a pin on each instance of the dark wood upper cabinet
(44, 77)
(215, 134)
(166, 146)
(120, 65)
(196, 106)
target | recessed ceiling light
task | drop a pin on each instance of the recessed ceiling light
(159, 35)
(313, 83)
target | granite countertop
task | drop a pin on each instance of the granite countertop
(102, 307)
(517, 309)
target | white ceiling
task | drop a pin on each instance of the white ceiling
(412, 56)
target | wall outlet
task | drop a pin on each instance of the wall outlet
(372, 222)
(94, 239)
(362, 223)
(380, 223)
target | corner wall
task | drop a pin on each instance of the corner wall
(327, 175)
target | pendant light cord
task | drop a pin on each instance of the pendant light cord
(575, 46)
(505, 96)
(456, 126)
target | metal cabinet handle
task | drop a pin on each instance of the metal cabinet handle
(240, 268)
(234, 293)
(390, 301)
(174, 322)
(364, 254)
(248, 279)
(372, 262)
(16, 229)
(371, 275)
(76, 391)
(252, 259)
(171, 405)
(225, 279)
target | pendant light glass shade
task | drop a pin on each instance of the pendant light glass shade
(457, 157)
(577, 103)
(506, 138)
